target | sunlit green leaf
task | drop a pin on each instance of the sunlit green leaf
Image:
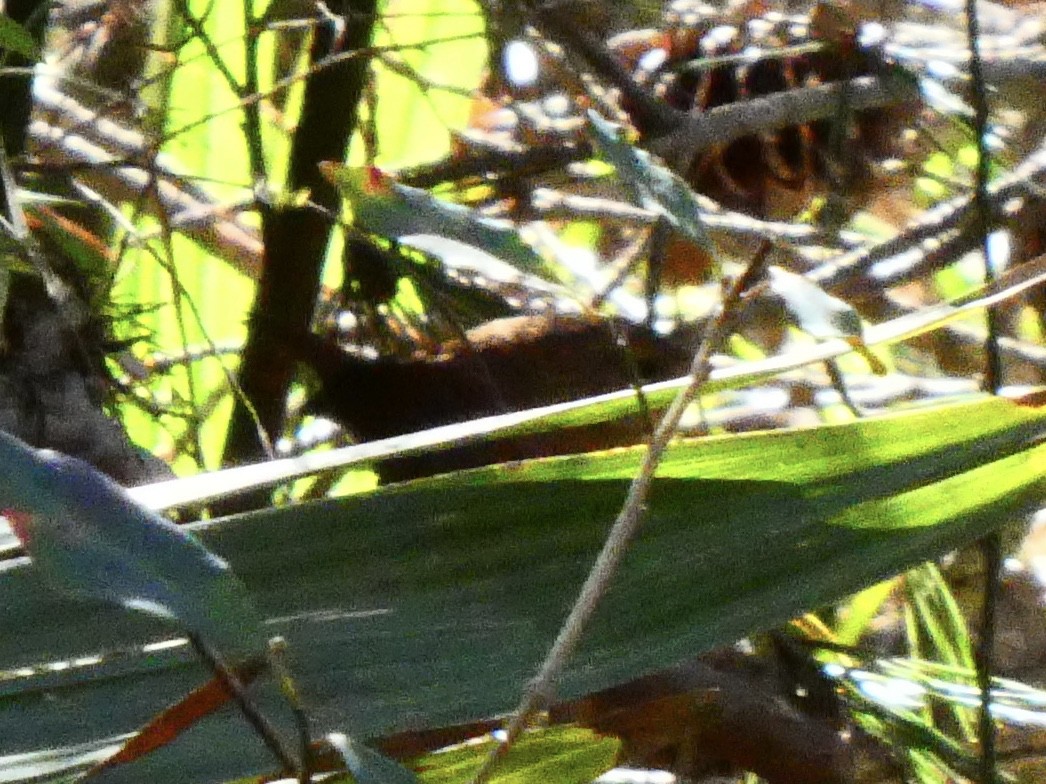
(16, 38)
(558, 755)
(431, 603)
(609, 407)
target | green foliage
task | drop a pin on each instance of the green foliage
(16, 38)
(431, 603)
(561, 754)
(368, 766)
(405, 608)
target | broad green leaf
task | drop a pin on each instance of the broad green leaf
(609, 407)
(54, 765)
(475, 267)
(16, 38)
(652, 186)
(382, 206)
(168, 725)
(90, 541)
(412, 122)
(431, 603)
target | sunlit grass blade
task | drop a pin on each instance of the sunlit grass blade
(602, 408)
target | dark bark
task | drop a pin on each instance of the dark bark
(15, 88)
(296, 238)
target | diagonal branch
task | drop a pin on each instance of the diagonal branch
(538, 693)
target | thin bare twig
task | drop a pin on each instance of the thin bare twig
(724, 124)
(529, 161)
(552, 204)
(991, 544)
(281, 668)
(252, 124)
(328, 62)
(254, 716)
(196, 27)
(695, 133)
(651, 115)
(122, 162)
(937, 226)
(538, 692)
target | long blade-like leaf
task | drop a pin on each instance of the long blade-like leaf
(602, 408)
(430, 603)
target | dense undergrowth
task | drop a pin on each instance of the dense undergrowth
(494, 261)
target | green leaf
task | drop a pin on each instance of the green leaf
(90, 541)
(862, 609)
(15, 38)
(431, 603)
(558, 755)
(652, 186)
(611, 407)
(382, 206)
(475, 268)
